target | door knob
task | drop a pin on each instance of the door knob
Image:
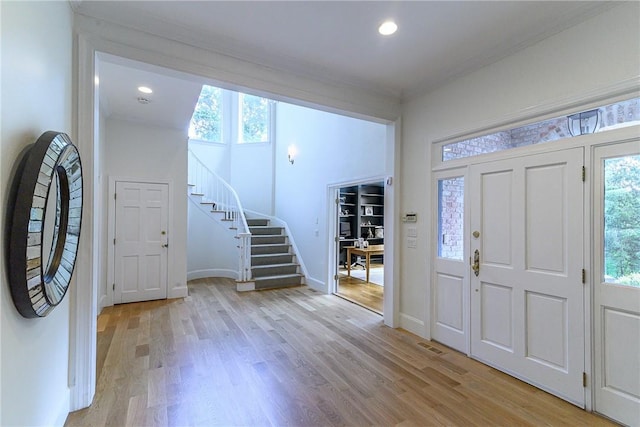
(476, 263)
(166, 245)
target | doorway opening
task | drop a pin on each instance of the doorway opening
(360, 244)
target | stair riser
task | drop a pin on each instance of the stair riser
(257, 222)
(274, 271)
(264, 250)
(268, 240)
(274, 259)
(266, 230)
(278, 283)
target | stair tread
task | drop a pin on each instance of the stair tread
(265, 245)
(268, 255)
(288, 264)
(278, 276)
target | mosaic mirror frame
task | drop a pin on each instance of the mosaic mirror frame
(44, 233)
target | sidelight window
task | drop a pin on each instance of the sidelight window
(451, 218)
(622, 220)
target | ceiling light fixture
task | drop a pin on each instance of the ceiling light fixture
(387, 28)
(144, 89)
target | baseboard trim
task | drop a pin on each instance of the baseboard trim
(413, 325)
(181, 292)
(63, 411)
(213, 272)
(316, 285)
(245, 286)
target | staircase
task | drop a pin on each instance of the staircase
(266, 255)
(273, 263)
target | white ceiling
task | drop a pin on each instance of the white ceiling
(170, 105)
(338, 40)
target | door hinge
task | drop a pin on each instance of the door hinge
(584, 174)
(584, 276)
(584, 379)
(114, 241)
(337, 201)
(114, 287)
(336, 277)
(114, 196)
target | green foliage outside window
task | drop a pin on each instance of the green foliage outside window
(622, 220)
(206, 122)
(255, 118)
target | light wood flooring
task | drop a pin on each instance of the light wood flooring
(293, 357)
(360, 292)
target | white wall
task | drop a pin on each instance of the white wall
(36, 96)
(596, 54)
(145, 153)
(332, 149)
(215, 156)
(211, 247)
(252, 175)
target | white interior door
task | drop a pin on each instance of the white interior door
(141, 241)
(617, 281)
(527, 313)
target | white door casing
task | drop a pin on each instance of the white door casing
(141, 241)
(616, 315)
(527, 313)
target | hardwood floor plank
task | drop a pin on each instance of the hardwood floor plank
(293, 357)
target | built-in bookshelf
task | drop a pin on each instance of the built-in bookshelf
(361, 215)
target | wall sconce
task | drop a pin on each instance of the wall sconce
(291, 153)
(584, 122)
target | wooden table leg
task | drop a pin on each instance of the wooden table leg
(348, 262)
(368, 260)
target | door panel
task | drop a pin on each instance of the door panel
(546, 329)
(496, 226)
(141, 235)
(617, 281)
(544, 219)
(527, 300)
(449, 305)
(496, 315)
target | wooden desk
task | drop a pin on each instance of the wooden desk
(366, 252)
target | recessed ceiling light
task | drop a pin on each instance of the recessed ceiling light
(145, 89)
(387, 28)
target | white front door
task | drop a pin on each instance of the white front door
(617, 281)
(141, 241)
(527, 313)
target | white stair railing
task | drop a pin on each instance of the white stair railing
(224, 199)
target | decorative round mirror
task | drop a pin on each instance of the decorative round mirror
(45, 227)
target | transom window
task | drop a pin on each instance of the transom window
(608, 117)
(222, 116)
